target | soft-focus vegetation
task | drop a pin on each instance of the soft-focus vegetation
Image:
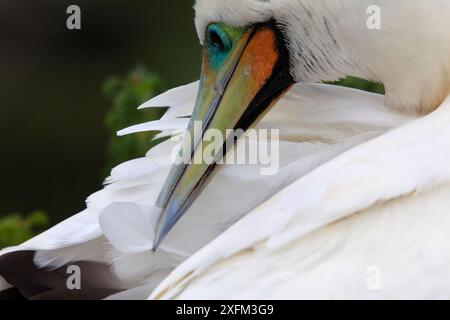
(17, 228)
(125, 94)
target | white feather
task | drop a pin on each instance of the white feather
(157, 125)
(174, 97)
(129, 227)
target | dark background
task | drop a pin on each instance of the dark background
(52, 109)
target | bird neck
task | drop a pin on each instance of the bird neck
(404, 46)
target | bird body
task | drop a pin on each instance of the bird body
(358, 207)
(325, 244)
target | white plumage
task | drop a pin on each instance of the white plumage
(329, 40)
(322, 244)
(313, 132)
(362, 184)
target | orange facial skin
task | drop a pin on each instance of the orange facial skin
(261, 55)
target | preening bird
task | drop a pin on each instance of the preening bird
(358, 209)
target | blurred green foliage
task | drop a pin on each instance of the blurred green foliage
(126, 94)
(15, 228)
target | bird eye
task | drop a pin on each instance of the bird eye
(218, 39)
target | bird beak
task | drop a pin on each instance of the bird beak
(233, 96)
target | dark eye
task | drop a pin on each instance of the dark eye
(216, 40)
